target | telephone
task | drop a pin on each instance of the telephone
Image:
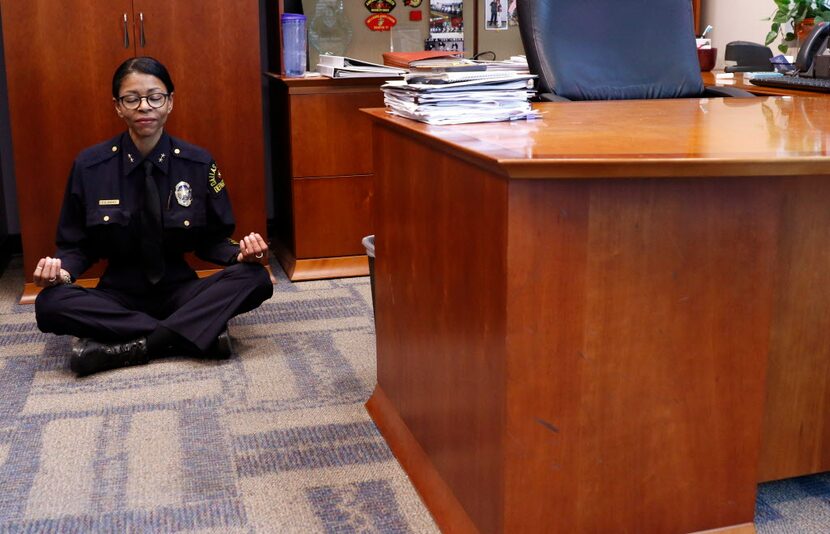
(809, 61)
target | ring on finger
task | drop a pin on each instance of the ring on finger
(259, 256)
(53, 278)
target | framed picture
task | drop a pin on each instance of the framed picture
(446, 25)
(496, 14)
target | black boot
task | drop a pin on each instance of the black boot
(90, 356)
(221, 348)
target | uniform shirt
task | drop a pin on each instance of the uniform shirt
(101, 213)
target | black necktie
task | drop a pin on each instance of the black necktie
(152, 250)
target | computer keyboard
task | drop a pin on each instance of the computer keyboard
(821, 85)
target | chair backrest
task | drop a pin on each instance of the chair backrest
(611, 49)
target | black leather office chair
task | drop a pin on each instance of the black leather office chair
(613, 49)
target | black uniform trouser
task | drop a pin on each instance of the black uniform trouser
(197, 310)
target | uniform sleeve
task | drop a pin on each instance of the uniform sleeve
(72, 239)
(217, 245)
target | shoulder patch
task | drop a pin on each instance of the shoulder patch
(215, 181)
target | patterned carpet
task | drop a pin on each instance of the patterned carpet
(794, 506)
(274, 440)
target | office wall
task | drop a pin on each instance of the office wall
(504, 43)
(366, 44)
(749, 26)
(369, 45)
(736, 20)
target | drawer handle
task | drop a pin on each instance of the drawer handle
(126, 33)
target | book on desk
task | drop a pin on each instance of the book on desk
(405, 60)
(346, 67)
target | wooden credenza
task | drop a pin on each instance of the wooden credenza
(60, 57)
(611, 319)
(323, 177)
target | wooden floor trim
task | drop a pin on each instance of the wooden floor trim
(321, 268)
(745, 528)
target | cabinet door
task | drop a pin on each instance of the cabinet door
(330, 135)
(211, 48)
(60, 56)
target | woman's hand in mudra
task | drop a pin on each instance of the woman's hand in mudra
(49, 273)
(253, 249)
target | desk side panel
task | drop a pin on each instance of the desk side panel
(638, 318)
(440, 304)
(796, 435)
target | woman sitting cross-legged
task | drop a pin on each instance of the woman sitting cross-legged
(141, 201)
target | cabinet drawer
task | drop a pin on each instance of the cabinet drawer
(329, 134)
(332, 215)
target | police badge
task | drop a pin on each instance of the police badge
(184, 194)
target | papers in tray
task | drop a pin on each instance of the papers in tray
(442, 63)
(345, 67)
(466, 81)
(514, 64)
(461, 97)
(450, 64)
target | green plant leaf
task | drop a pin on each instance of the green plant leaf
(783, 48)
(770, 37)
(776, 26)
(781, 18)
(790, 36)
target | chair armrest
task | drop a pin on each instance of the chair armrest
(716, 91)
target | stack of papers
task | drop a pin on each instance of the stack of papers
(346, 67)
(461, 97)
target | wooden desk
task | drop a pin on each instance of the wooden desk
(323, 176)
(612, 319)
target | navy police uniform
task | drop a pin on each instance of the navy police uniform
(101, 219)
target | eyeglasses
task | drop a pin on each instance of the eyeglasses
(155, 100)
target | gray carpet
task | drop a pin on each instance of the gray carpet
(794, 506)
(274, 440)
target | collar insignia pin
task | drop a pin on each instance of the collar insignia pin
(161, 157)
(131, 158)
